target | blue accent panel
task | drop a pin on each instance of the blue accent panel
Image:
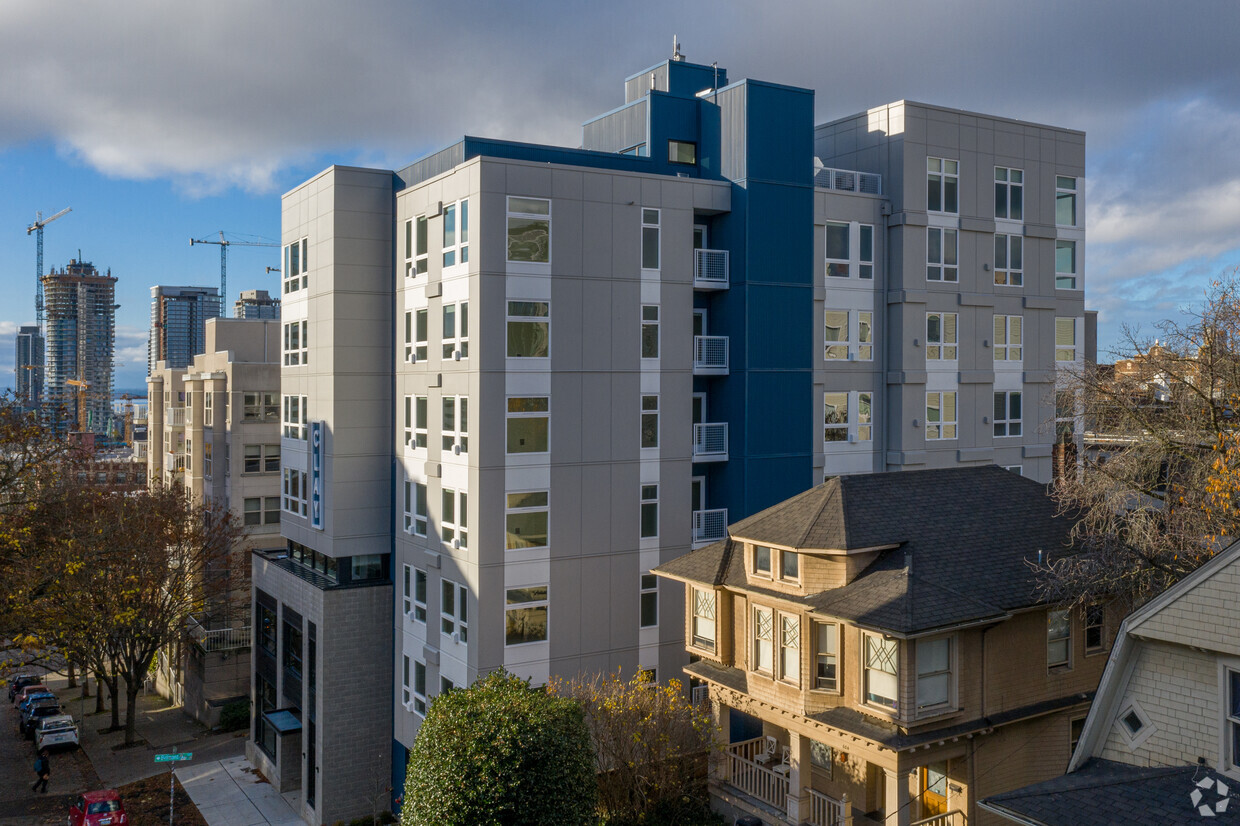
(781, 135)
(687, 79)
(400, 764)
(673, 118)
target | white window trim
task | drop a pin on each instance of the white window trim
(1227, 765)
(852, 346)
(1013, 276)
(1008, 185)
(459, 211)
(1005, 325)
(511, 213)
(510, 319)
(509, 415)
(1075, 273)
(1147, 725)
(1074, 346)
(655, 325)
(454, 437)
(952, 671)
(713, 617)
(417, 335)
(838, 686)
(416, 521)
(643, 501)
(295, 502)
(455, 624)
(943, 421)
(544, 509)
(860, 266)
(1007, 422)
(455, 532)
(943, 176)
(658, 236)
(789, 641)
(643, 591)
(296, 343)
(857, 431)
(455, 346)
(291, 280)
(295, 425)
(538, 603)
(1076, 199)
(865, 674)
(755, 663)
(1066, 663)
(948, 273)
(419, 604)
(939, 349)
(419, 698)
(645, 412)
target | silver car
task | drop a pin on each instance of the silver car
(55, 732)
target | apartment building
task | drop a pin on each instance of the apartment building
(214, 426)
(28, 367)
(256, 304)
(81, 339)
(516, 378)
(179, 324)
(876, 655)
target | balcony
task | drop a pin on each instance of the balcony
(710, 442)
(710, 355)
(174, 417)
(174, 462)
(710, 269)
(846, 180)
(768, 782)
(218, 639)
(709, 526)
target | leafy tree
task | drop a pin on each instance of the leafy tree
(500, 753)
(1162, 493)
(651, 747)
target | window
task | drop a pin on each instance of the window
(208, 411)
(882, 668)
(649, 511)
(763, 639)
(649, 601)
(529, 230)
(419, 687)
(650, 239)
(525, 615)
(262, 510)
(1075, 728)
(941, 415)
(849, 246)
(296, 495)
(528, 419)
(1009, 193)
(1008, 334)
(838, 257)
(941, 264)
(789, 566)
(1095, 628)
(421, 255)
(292, 647)
(703, 629)
(934, 672)
(1007, 414)
(837, 424)
(416, 335)
(525, 520)
(407, 592)
(455, 423)
(865, 268)
(296, 343)
(1058, 638)
(267, 629)
(405, 696)
(1065, 339)
(529, 329)
(826, 653)
(762, 561)
(1136, 726)
(681, 152)
(207, 465)
(415, 422)
(835, 428)
(822, 757)
(650, 421)
(453, 525)
(1232, 727)
(942, 185)
(456, 330)
(849, 334)
(940, 336)
(456, 233)
(260, 407)
(452, 615)
(1009, 260)
(650, 331)
(1065, 265)
(261, 459)
(295, 417)
(296, 265)
(789, 648)
(1065, 201)
(365, 567)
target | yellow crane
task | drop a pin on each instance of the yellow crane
(81, 402)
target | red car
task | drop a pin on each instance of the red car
(102, 808)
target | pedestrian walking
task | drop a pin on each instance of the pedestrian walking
(42, 768)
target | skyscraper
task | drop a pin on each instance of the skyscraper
(178, 324)
(256, 304)
(81, 338)
(29, 367)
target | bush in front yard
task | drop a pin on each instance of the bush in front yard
(235, 715)
(501, 754)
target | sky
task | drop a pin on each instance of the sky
(157, 122)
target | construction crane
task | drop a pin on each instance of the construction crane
(37, 228)
(224, 244)
(81, 402)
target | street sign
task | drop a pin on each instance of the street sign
(169, 758)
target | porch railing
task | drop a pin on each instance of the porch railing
(754, 779)
(219, 639)
(825, 810)
(953, 818)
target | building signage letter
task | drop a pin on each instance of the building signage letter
(316, 475)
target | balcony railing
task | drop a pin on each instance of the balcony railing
(219, 639)
(174, 462)
(846, 180)
(753, 779)
(174, 417)
(710, 269)
(825, 810)
(709, 526)
(710, 355)
(710, 442)
(953, 818)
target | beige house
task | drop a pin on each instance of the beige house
(875, 650)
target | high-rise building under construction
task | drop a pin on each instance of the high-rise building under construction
(28, 361)
(81, 337)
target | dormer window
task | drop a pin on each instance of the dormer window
(762, 561)
(789, 565)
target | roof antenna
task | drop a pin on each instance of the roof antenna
(676, 55)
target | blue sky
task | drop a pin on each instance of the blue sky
(158, 121)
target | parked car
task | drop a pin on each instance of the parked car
(102, 808)
(24, 702)
(56, 731)
(20, 681)
(35, 712)
(26, 691)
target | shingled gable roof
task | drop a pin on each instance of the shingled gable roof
(968, 533)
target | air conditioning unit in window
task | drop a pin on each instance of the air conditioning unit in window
(413, 358)
(456, 449)
(456, 544)
(456, 637)
(456, 355)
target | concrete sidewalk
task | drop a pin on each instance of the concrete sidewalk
(230, 792)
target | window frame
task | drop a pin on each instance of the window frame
(830, 658)
(858, 423)
(511, 416)
(532, 217)
(1094, 616)
(648, 595)
(1009, 260)
(294, 496)
(511, 318)
(295, 276)
(759, 635)
(675, 157)
(416, 512)
(454, 431)
(788, 661)
(295, 420)
(650, 332)
(949, 701)
(260, 406)
(1009, 332)
(516, 508)
(858, 331)
(648, 503)
(651, 246)
(1065, 639)
(942, 425)
(696, 638)
(542, 604)
(946, 268)
(1067, 279)
(456, 251)
(296, 343)
(1008, 185)
(1061, 348)
(454, 517)
(454, 619)
(884, 644)
(946, 173)
(458, 341)
(859, 242)
(1009, 403)
(943, 347)
(1067, 194)
(649, 431)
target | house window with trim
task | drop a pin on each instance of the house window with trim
(941, 255)
(649, 511)
(1065, 339)
(882, 669)
(1065, 265)
(1009, 260)
(826, 652)
(703, 619)
(1058, 638)
(525, 615)
(455, 423)
(456, 330)
(1095, 628)
(942, 185)
(527, 424)
(452, 613)
(1232, 726)
(1065, 201)
(1009, 193)
(262, 510)
(456, 233)
(649, 601)
(529, 329)
(296, 417)
(296, 343)
(1007, 414)
(763, 639)
(260, 407)
(416, 517)
(1076, 727)
(934, 673)
(650, 239)
(453, 525)
(1009, 332)
(529, 230)
(650, 421)
(525, 520)
(296, 495)
(941, 335)
(296, 265)
(941, 415)
(650, 331)
(419, 687)
(762, 561)
(790, 648)
(849, 334)
(790, 566)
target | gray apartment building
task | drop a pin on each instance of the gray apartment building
(178, 324)
(516, 378)
(28, 367)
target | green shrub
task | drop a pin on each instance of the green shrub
(235, 715)
(501, 754)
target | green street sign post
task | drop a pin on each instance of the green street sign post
(172, 759)
(168, 758)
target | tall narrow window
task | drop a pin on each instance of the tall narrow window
(421, 253)
(529, 230)
(455, 424)
(419, 687)
(456, 330)
(1009, 260)
(826, 646)
(838, 257)
(1232, 729)
(1065, 265)
(762, 561)
(525, 520)
(1065, 339)
(1095, 627)
(835, 419)
(649, 511)
(296, 264)
(452, 613)
(296, 343)
(529, 329)
(1007, 414)
(1008, 335)
(650, 421)
(934, 673)
(1058, 638)
(420, 418)
(416, 517)
(407, 590)
(865, 416)
(406, 693)
(409, 336)
(941, 415)
(836, 334)
(763, 639)
(421, 335)
(865, 336)
(456, 233)
(941, 260)
(650, 331)
(703, 629)
(650, 239)
(649, 599)
(941, 337)
(866, 268)
(453, 518)
(410, 269)
(882, 668)
(789, 648)
(1009, 193)
(1065, 201)
(419, 596)
(942, 185)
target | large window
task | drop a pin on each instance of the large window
(789, 648)
(882, 669)
(456, 330)
(941, 341)
(453, 519)
(849, 334)
(296, 496)
(295, 417)
(847, 416)
(529, 230)
(703, 629)
(455, 436)
(649, 511)
(849, 250)
(1009, 260)
(296, 264)
(838, 257)
(262, 510)
(650, 421)
(1065, 265)
(1065, 413)
(942, 185)
(452, 609)
(649, 601)
(934, 673)
(529, 329)
(1009, 333)
(1009, 193)
(650, 239)
(826, 655)
(416, 336)
(941, 255)
(528, 420)
(681, 152)
(292, 648)
(525, 520)
(456, 233)
(1065, 339)
(296, 343)
(941, 415)
(1007, 414)
(1065, 201)
(1058, 638)
(650, 331)
(416, 417)
(763, 639)
(267, 629)
(260, 459)
(260, 407)
(416, 517)
(525, 615)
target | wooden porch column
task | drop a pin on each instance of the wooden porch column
(898, 801)
(718, 767)
(798, 777)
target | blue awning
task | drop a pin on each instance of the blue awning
(284, 722)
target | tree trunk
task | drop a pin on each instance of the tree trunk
(131, 709)
(99, 684)
(72, 676)
(113, 691)
(85, 684)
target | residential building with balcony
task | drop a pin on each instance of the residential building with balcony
(214, 427)
(874, 649)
